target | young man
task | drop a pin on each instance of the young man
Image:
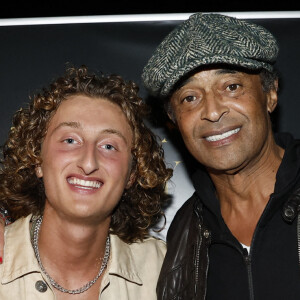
(236, 238)
(84, 178)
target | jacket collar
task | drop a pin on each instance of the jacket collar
(289, 169)
(19, 257)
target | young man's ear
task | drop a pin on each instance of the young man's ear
(131, 180)
(39, 171)
(133, 172)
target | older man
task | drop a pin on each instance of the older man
(236, 237)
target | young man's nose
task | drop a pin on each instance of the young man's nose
(88, 161)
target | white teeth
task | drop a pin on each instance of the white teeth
(84, 183)
(224, 135)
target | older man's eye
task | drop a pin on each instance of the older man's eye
(189, 99)
(233, 87)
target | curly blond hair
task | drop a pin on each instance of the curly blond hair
(140, 207)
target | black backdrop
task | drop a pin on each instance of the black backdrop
(32, 55)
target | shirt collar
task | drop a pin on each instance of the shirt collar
(19, 257)
(122, 261)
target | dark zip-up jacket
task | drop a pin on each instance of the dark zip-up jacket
(205, 261)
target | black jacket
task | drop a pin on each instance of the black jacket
(205, 261)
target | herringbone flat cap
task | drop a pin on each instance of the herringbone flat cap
(206, 39)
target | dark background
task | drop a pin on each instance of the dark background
(32, 55)
(26, 9)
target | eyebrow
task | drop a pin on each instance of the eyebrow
(226, 71)
(183, 82)
(115, 132)
(78, 126)
(67, 124)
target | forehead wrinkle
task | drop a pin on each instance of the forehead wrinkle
(72, 124)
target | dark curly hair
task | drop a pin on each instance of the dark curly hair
(140, 207)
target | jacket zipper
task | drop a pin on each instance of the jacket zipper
(247, 259)
(198, 245)
(203, 235)
(197, 261)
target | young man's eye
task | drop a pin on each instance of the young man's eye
(108, 147)
(69, 141)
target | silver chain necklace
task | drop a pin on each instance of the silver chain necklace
(37, 227)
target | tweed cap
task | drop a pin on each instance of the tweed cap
(206, 39)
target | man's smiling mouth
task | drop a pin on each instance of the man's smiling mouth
(218, 137)
(85, 184)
